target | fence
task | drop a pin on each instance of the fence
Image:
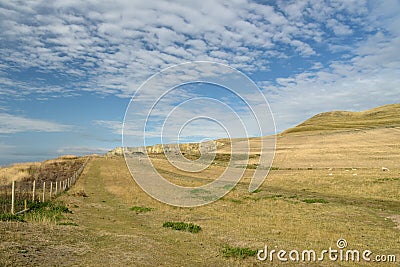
(15, 197)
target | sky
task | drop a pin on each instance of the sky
(69, 69)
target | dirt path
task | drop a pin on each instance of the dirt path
(108, 232)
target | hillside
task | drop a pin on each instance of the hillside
(322, 187)
(381, 117)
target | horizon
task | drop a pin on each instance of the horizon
(69, 70)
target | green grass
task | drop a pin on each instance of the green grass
(8, 217)
(182, 226)
(238, 252)
(139, 209)
(236, 201)
(315, 200)
(46, 211)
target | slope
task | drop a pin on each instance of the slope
(381, 117)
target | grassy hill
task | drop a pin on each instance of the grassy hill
(322, 187)
(381, 117)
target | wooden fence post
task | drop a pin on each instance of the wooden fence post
(13, 197)
(33, 190)
(44, 190)
(51, 189)
(56, 188)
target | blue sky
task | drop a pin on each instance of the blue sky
(69, 68)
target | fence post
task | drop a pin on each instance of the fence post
(51, 189)
(25, 205)
(33, 190)
(13, 197)
(44, 190)
(56, 188)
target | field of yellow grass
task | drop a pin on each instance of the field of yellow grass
(17, 172)
(322, 187)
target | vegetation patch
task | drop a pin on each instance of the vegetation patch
(46, 211)
(315, 200)
(182, 226)
(8, 217)
(238, 252)
(236, 201)
(139, 209)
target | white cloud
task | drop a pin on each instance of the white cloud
(371, 78)
(112, 47)
(14, 124)
(81, 150)
(114, 126)
(118, 45)
(338, 28)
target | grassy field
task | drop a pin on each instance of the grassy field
(323, 186)
(384, 116)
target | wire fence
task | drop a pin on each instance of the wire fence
(14, 198)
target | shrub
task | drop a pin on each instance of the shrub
(238, 252)
(182, 226)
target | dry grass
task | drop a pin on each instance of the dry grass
(50, 170)
(338, 173)
(17, 172)
(384, 116)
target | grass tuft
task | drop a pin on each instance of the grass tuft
(182, 226)
(139, 209)
(238, 252)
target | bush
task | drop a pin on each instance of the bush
(238, 252)
(182, 226)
